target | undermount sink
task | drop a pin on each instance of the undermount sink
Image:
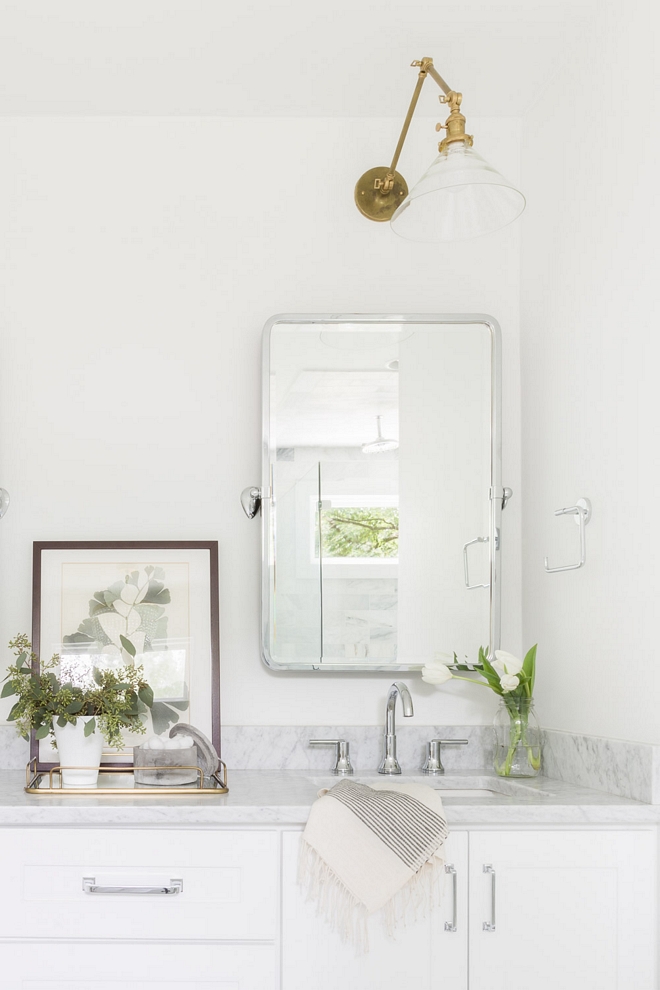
(466, 791)
(451, 786)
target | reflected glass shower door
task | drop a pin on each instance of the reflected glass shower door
(359, 530)
(296, 627)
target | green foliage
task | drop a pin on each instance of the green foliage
(117, 700)
(529, 667)
(146, 695)
(492, 676)
(526, 677)
(360, 532)
(489, 671)
(162, 716)
(128, 646)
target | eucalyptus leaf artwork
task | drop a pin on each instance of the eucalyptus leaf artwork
(126, 620)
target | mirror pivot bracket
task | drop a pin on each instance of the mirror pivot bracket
(501, 493)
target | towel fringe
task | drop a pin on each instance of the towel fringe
(347, 916)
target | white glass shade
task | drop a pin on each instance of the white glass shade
(458, 197)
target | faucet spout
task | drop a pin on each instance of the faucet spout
(406, 700)
(389, 763)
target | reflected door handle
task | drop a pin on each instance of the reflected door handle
(471, 587)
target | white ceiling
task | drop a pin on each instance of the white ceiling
(268, 58)
(338, 408)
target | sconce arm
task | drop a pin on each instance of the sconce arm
(434, 74)
(426, 68)
(381, 190)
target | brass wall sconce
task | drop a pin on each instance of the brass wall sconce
(459, 196)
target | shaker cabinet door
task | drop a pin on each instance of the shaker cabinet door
(427, 954)
(562, 909)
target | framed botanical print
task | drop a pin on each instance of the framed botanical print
(116, 604)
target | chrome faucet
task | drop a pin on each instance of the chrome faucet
(389, 763)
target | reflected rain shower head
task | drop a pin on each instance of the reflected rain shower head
(380, 444)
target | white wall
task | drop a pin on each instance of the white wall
(140, 259)
(590, 380)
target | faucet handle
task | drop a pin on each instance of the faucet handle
(342, 767)
(433, 763)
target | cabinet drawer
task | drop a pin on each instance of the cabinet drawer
(74, 883)
(127, 966)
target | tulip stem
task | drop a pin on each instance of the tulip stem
(468, 680)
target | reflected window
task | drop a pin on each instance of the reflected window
(359, 532)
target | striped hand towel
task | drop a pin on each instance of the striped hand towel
(367, 848)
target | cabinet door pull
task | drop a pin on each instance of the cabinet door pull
(489, 926)
(452, 926)
(90, 886)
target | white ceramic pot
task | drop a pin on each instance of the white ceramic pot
(75, 749)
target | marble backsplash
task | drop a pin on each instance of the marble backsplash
(628, 769)
(287, 747)
(624, 768)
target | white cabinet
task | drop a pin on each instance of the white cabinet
(573, 910)
(139, 966)
(535, 909)
(425, 955)
(548, 910)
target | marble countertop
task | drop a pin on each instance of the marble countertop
(284, 797)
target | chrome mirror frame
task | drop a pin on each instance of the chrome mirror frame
(498, 495)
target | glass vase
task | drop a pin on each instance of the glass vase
(517, 738)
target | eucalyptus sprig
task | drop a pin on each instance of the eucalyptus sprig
(117, 700)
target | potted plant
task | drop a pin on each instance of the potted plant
(517, 732)
(78, 717)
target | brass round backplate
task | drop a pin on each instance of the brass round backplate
(372, 202)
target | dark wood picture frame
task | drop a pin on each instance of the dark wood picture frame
(130, 545)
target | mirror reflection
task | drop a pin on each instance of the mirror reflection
(380, 460)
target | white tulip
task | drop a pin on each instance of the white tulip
(509, 682)
(511, 664)
(436, 673)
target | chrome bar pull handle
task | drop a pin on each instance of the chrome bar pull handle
(489, 926)
(471, 587)
(582, 511)
(90, 886)
(452, 926)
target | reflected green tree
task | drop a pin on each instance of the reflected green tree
(360, 532)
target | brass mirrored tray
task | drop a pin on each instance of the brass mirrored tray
(121, 780)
